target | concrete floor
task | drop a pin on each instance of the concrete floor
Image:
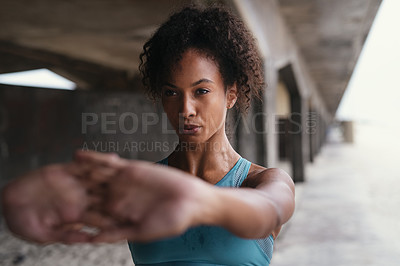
(347, 214)
(348, 211)
(14, 251)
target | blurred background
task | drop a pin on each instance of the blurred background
(329, 116)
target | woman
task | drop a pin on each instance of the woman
(218, 208)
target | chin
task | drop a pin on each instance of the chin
(190, 138)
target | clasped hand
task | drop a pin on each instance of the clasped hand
(120, 199)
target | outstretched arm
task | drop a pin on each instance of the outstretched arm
(260, 207)
(152, 201)
(139, 201)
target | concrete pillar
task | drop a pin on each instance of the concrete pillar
(348, 131)
(269, 109)
(305, 111)
(296, 121)
(312, 132)
(246, 137)
(260, 132)
(297, 157)
(320, 132)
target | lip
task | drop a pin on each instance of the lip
(190, 129)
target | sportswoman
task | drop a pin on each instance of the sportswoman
(202, 205)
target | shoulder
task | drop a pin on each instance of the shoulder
(277, 185)
(259, 175)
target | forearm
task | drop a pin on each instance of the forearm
(249, 212)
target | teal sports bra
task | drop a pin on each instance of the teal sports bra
(207, 245)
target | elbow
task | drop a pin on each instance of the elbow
(279, 191)
(284, 194)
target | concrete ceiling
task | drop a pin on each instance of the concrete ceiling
(330, 35)
(96, 43)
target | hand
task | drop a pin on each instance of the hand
(123, 199)
(147, 201)
(49, 204)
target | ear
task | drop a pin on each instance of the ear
(231, 96)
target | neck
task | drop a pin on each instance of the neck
(216, 154)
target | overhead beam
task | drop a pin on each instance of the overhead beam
(88, 75)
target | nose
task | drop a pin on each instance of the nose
(188, 107)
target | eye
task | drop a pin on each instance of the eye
(202, 91)
(169, 93)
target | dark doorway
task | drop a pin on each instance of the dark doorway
(291, 136)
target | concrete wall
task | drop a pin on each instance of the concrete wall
(42, 126)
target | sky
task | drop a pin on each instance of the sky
(373, 93)
(42, 78)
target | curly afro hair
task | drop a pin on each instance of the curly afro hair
(217, 33)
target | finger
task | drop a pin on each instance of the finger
(96, 204)
(93, 171)
(96, 187)
(102, 174)
(95, 198)
(114, 235)
(74, 233)
(92, 177)
(69, 227)
(72, 236)
(106, 159)
(92, 187)
(98, 220)
(78, 169)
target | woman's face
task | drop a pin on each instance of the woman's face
(194, 98)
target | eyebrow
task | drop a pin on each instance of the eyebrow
(170, 85)
(201, 81)
(192, 85)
